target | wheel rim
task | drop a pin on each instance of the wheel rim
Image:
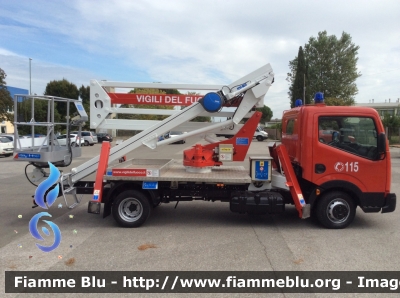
(130, 209)
(338, 211)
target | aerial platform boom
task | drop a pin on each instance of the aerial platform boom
(246, 91)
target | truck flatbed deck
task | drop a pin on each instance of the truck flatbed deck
(171, 170)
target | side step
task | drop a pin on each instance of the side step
(71, 190)
(291, 181)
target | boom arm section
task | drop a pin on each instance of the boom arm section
(248, 91)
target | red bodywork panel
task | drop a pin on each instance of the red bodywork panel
(204, 156)
(101, 171)
(291, 180)
(158, 99)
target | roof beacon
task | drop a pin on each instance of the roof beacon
(319, 98)
(298, 103)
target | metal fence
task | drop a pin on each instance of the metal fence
(393, 135)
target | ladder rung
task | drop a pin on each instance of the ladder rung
(73, 205)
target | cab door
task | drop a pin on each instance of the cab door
(345, 151)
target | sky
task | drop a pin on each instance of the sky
(192, 41)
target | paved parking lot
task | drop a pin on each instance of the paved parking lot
(194, 236)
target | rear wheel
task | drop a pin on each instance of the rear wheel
(336, 210)
(131, 208)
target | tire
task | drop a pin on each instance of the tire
(91, 144)
(73, 144)
(86, 143)
(260, 138)
(335, 210)
(131, 208)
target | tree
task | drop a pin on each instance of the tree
(66, 89)
(170, 91)
(40, 115)
(266, 114)
(331, 65)
(6, 101)
(84, 94)
(332, 101)
(300, 80)
(393, 123)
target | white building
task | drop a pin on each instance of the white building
(389, 107)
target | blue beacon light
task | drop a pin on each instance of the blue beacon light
(298, 103)
(319, 97)
(211, 102)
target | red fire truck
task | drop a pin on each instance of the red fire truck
(349, 168)
(326, 177)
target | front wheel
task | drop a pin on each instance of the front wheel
(131, 209)
(260, 138)
(86, 143)
(336, 210)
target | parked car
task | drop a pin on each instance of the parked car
(6, 146)
(73, 139)
(11, 136)
(101, 136)
(173, 134)
(325, 136)
(260, 134)
(163, 137)
(36, 135)
(90, 137)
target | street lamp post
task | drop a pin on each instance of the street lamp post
(30, 77)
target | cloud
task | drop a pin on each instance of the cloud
(17, 69)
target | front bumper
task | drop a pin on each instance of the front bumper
(390, 203)
(7, 151)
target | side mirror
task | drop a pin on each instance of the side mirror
(381, 143)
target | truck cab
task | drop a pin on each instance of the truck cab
(341, 159)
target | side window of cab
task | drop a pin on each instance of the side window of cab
(356, 135)
(289, 127)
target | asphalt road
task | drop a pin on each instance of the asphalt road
(195, 236)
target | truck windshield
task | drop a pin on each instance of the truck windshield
(356, 135)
